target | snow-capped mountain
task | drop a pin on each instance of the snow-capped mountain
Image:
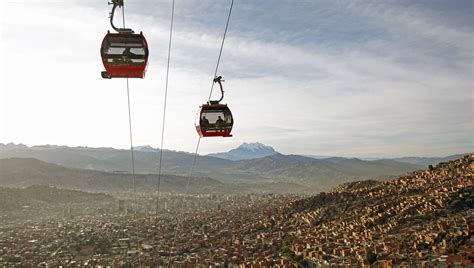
(247, 151)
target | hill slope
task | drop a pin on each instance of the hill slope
(321, 174)
(24, 172)
(420, 216)
(426, 161)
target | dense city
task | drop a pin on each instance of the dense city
(424, 218)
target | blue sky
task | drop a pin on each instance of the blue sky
(348, 78)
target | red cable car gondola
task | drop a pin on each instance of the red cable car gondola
(124, 54)
(215, 119)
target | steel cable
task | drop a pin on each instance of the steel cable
(199, 140)
(164, 114)
(132, 154)
(222, 46)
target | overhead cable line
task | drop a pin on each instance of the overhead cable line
(132, 151)
(213, 82)
(199, 140)
(164, 114)
(222, 46)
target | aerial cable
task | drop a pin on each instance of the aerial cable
(123, 15)
(164, 113)
(133, 164)
(214, 80)
(130, 125)
(222, 46)
(131, 145)
(218, 80)
(186, 190)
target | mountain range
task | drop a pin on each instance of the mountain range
(274, 169)
(27, 172)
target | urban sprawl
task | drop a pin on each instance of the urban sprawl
(424, 219)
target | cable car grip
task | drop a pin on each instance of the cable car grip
(219, 80)
(117, 3)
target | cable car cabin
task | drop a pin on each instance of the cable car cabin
(214, 120)
(124, 55)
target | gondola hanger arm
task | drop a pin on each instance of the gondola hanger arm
(117, 3)
(219, 80)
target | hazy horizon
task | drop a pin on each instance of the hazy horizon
(276, 149)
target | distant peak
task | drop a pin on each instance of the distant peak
(255, 146)
(247, 151)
